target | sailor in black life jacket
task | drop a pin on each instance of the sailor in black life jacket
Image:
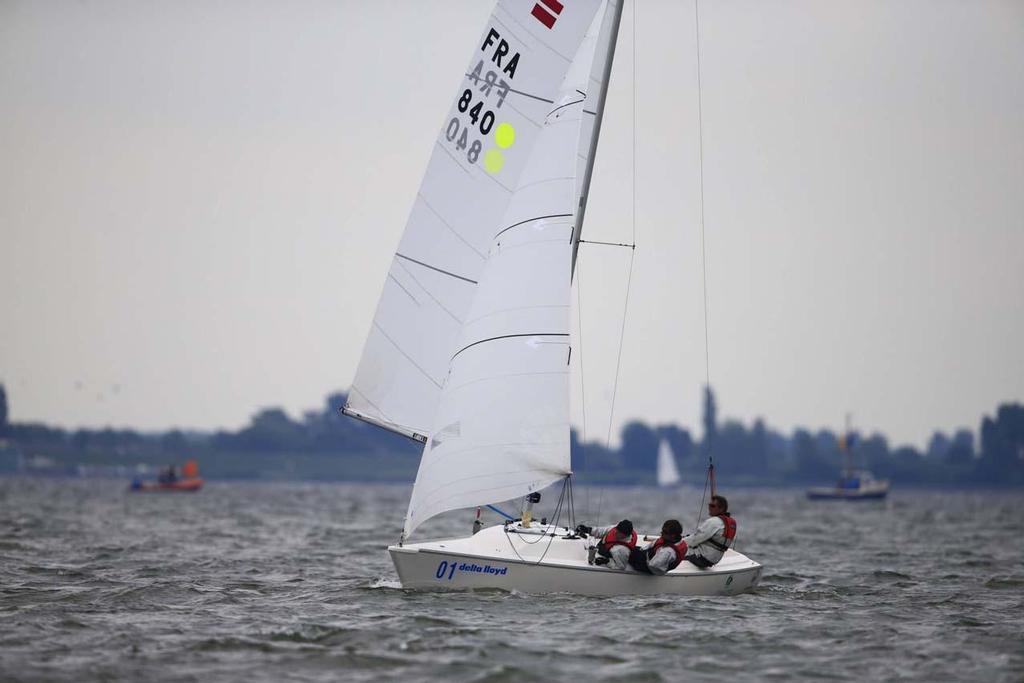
(713, 536)
(615, 545)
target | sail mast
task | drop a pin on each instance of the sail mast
(613, 34)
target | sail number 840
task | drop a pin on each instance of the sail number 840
(458, 133)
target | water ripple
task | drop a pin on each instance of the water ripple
(291, 582)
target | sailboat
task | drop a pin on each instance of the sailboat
(469, 350)
(668, 471)
(853, 484)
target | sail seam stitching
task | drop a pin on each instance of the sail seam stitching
(544, 373)
(391, 276)
(454, 158)
(406, 355)
(448, 225)
(427, 292)
(372, 404)
(514, 308)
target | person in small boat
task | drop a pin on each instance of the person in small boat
(665, 554)
(708, 543)
(615, 545)
(167, 475)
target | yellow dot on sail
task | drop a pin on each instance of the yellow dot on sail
(494, 160)
(505, 135)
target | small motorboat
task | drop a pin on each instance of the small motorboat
(170, 482)
(852, 485)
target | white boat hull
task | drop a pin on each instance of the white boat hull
(547, 562)
(867, 488)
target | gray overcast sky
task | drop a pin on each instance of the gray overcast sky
(198, 203)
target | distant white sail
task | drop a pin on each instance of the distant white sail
(502, 424)
(668, 472)
(487, 138)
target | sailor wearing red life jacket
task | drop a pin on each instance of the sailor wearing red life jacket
(713, 537)
(615, 545)
(664, 554)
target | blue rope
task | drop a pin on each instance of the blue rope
(503, 514)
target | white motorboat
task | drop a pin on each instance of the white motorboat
(470, 349)
(853, 484)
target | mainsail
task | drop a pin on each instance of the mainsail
(469, 351)
(502, 425)
(481, 151)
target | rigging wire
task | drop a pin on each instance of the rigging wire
(700, 510)
(632, 253)
(579, 342)
(566, 484)
(709, 479)
(700, 182)
(608, 244)
(618, 361)
(632, 248)
(583, 391)
(572, 503)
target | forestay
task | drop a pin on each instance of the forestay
(479, 157)
(502, 423)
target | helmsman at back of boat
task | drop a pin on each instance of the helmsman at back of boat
(709, 541)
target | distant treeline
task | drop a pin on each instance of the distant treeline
(324, 444)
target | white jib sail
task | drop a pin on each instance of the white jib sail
(502, 424)
(495, 120)
(668, 472)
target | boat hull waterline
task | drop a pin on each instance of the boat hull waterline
(543, 560)
(859, 485)
(847, 494)
(180, 486)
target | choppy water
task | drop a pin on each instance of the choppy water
(291, 582)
